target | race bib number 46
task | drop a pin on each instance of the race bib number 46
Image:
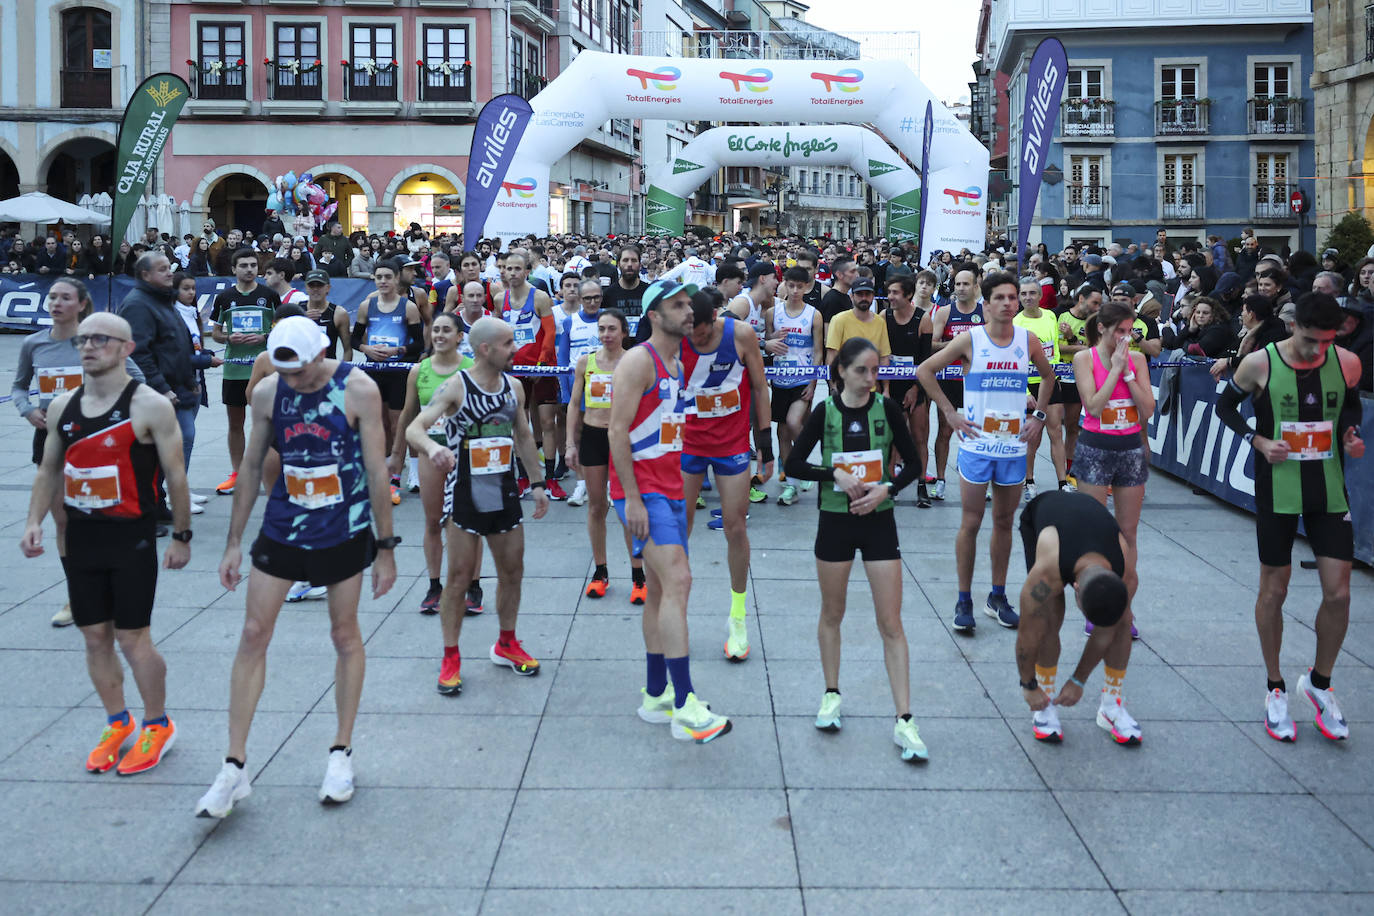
(91, 488)
(1308, 441)
(313, 488)
(866, 466)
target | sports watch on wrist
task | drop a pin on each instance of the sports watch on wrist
(183, 536)
(1039, 415)
(388, 543)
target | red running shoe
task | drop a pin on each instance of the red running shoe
(556, 492)
(514, 657)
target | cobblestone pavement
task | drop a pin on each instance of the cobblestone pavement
(548, 794)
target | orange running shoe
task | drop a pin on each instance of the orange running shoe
(514, 657)
(450, 681)
(152, 744)
(106, 752)
(597, 588)
(227, 487)
(639, 593)
(395, 492)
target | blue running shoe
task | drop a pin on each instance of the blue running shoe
(963, 617)
(1000, 608)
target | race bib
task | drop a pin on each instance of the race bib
(907, 362)
(91, 488)
(383, 340)
(599, 388)
(670, 430)
(524, 334)
(58, 380)
(1002, 424)
(866, 466)
(245, 322)
(490, 454)
(437, 432)
(313, 488)
(717, 402)
(1119, 414)
(1307, 441)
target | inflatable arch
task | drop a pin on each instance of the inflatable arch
(837, 144)
(598, 86)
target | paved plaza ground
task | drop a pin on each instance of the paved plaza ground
(548, 794)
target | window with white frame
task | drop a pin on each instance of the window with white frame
(1180, 194)
(1178, 82)
(1273, 108)
(1087, 197)
(220, 70)
(1272, 187)
(1086, 114)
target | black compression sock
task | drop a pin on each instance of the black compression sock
(236, 762)
(834, 690)
(1320, 681)
(1277, 685)
(435, 586)
(637, 575)
(905, 717)
(476, 583)
(601, 572)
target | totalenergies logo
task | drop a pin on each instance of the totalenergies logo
(523, 187)
(972, 194)
(664, 78)
(755, 80)
(844, 80)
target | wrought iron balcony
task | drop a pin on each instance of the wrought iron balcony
(1275, 116)
(375, 84)
(85, 88)
(1181, 201)
(1270, 200)
(1181, 117)
(1088, 201)
(1088, 118)
(219, 80)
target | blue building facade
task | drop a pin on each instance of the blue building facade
(1193, 116)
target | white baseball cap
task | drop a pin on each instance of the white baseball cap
(298, 336)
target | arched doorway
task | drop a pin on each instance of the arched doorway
(352, 200)
(237, 201)
(9, 177)
(81, 166)
(430, 200)
(1368, 202)
(86, 58)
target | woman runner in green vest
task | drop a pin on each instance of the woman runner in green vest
(857, 429)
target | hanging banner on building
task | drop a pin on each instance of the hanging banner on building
(148, 119)
(926, 131)
(498, 130)
(1044, 86)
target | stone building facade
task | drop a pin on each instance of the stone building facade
(1343, 96)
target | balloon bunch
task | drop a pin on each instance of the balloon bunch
(301, 198)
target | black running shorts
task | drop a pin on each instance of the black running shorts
(1329, 534)
(594, 449)
(841, 534)
(318, 566)
(111, 572)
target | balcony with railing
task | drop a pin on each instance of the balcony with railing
(1270, 200)
(1088, 201)
(295, 80)
(541, 14)
(1181, 201)
(1275, 116)
(445, 81)
(529, 84)
(1087, 118)
(85, 88)
(1181, 117)
(370, 81)
(218, 80)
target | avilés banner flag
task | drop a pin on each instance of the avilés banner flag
(1044, 86)
(497, 133)
(926, 132)
(148, 119)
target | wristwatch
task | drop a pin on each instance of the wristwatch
(1032, 684)
(183, 536)
(388, 543)
(1039, 415)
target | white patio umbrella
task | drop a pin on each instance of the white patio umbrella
(37, 207)
(162, 216)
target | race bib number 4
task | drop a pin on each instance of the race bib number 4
(1119, 414)
(670, 431)
(1001, 424)
(313, 488)
(58, 380)
(866, 466)
(1308, 441)
(490, 454)
(717, 402)
(91, 488)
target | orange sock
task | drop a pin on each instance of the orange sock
(1046, 678)
(1111, 682)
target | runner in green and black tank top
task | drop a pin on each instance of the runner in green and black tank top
(1307, 414)
(857, 429)
(1301, 408)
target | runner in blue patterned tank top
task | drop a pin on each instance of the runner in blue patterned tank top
(324, 417)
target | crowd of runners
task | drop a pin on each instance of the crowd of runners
(751, 373)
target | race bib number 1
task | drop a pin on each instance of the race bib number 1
(91, 488)
(313, 488)
(866, 466)
(1307, 441)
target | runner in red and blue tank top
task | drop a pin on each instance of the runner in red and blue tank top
(724, 371)
(646, 434)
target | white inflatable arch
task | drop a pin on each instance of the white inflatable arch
(597, 87)
(836, 144)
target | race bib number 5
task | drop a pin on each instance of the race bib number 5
(717, 402)
(490, 454)
(91, 488)
(313, 488)
(1308, 441)
(865, 466)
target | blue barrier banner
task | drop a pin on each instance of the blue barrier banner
(1189, 442)
(23, 297)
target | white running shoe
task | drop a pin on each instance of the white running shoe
(1112, 716)
(1046, 725)
(199, 500)
(1277, 722)
(1329, 719)
(828, 719)
(939, 491)
(231, 785)
(694, 721)
(737, 641)
(656, 710)
(908, 738)
(579, 495)
(1030, 491)
(300, 591)
(337, 787)
(63, 618)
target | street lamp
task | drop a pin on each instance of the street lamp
(782, 194)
